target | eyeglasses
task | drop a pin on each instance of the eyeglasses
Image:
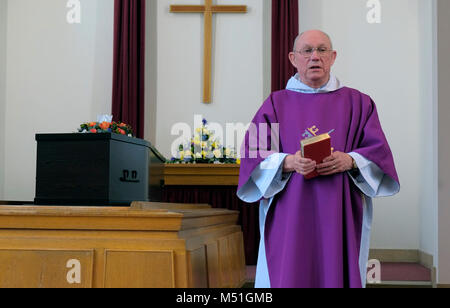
(308, 52)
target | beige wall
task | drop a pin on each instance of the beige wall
(3, 16)
(238, 65)
(59, 75)
(443, 46)
(151, 73)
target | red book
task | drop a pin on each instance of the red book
(316, 148)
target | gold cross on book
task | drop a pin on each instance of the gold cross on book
(208, 9)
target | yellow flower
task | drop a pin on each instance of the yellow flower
(203, 154)
(238, 161)
(181, 155)
(197, 140)
(198, 130)
(204, 144)
(198, 155)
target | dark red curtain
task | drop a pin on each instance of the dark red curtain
(129, 64)
(285, 28)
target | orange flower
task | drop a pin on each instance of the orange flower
(122, 131)
(105, 125)
(92, 124)
(122, 125)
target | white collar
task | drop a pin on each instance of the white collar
(296, 85)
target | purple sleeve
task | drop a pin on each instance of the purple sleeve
(373, 144)
(257, 145)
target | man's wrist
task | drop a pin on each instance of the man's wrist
(287, 164)
(354, 164)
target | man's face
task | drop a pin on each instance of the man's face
(314, 68)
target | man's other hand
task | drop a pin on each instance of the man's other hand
(338, 162)
(297, 163)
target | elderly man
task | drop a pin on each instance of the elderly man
(315, 233)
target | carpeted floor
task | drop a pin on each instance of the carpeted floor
(399, 272)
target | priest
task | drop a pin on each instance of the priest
(315, 233)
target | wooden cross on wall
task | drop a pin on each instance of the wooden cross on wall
(208, 9)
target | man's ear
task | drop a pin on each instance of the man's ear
(292, 58)
(333, 57)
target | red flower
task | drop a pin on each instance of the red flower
(94, 131)
(122, 125)
(105, 125)
(122, 131)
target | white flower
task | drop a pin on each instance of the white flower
(217, 154)
(104, 118)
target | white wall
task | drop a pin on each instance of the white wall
(151, 75)
(58, 76)
(3, 8)
(443, 47)
(237, 68)
(391, 62)
(429, 111)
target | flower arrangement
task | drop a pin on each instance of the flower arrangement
(204, 148)
(105, 124)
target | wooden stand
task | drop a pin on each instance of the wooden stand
(214, 184)
(151, 245)
(201, 175)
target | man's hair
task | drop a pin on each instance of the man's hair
(301, 34)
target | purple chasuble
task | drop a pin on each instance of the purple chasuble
(313, 228)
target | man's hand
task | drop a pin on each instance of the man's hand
(338, 162)
(299, 164)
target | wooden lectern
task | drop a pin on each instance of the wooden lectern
(147, 245)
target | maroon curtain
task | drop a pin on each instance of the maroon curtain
(129, 64)
(285, 28)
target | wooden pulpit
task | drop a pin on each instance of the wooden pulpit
(147, 245)
(215, 185)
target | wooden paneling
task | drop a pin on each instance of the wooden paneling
(150, 245)
(201, 175)
(212, 253)
(45, 268)
(139, 269)
(198, 273)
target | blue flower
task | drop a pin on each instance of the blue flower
(204, 122)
